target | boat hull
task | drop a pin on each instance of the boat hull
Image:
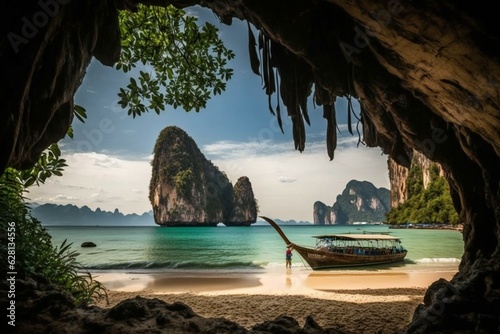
(317, 259)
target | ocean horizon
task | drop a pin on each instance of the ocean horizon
(258, 248)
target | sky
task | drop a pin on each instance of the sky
(109, 157)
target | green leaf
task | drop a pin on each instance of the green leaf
(80, 113)
(189, 61)
(70, 132)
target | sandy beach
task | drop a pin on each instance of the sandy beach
(355, 301)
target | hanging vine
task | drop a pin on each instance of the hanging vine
(291, 78)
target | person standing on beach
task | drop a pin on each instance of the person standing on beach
(288, 257)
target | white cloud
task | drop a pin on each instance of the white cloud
(92, 178)
(102, 160)
(97, 198)
(286, 179)
(233, 149)
(62, 198)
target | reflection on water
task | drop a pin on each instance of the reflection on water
(288, 281)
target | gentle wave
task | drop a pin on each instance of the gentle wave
(438, 260)
(176, 265)
(282, 264)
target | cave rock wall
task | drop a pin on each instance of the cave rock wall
(45, 50)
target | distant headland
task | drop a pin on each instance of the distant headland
(72, 215)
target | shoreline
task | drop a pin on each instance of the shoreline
(367, 301)
(458, 227)
(271, 281)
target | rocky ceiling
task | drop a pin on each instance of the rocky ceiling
(426, 73)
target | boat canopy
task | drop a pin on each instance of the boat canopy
(356, 237)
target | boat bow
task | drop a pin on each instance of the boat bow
(278, 229)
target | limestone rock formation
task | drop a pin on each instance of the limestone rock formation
(186, 189)
(244, 210)
(398, 176)
(338, 215)
(322, 213)
(426, 73)
(360, 201)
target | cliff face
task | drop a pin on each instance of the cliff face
(398, 176)
(322, 213)
(337, 214)
(244, 211)
(360, 201)
(188, 190)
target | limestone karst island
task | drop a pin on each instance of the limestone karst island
(360, 201)
(186, 189)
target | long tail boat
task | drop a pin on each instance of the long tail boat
(347, 250)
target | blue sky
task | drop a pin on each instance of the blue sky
(109, 157)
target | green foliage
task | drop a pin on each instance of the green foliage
(187, 61)
(431, 205)
(183, 181)
(12, 207)
(176, 162)
(80, 113)
(34, 253)
(415, 182)
(49, 163)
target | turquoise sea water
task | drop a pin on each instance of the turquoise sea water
(221, 249)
